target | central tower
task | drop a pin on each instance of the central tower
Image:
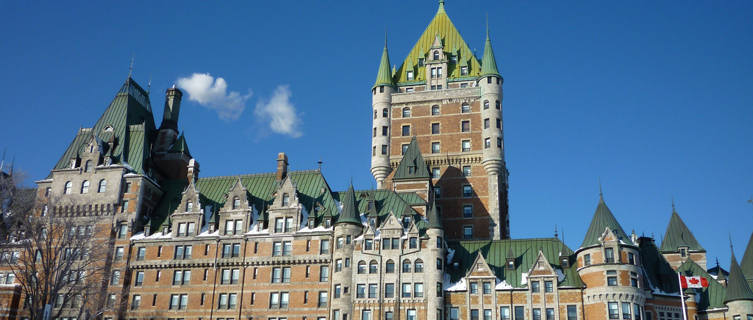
(451, 102)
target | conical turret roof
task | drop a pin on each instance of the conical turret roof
(602, 219)
(349, 213)
(488, 62)
(678, 235)
(384, 75)
(412, 166)
(433, 216)
(747, 263)
(737, 287)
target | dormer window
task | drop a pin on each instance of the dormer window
(311, 224)
(409, 75)
(609, 255)
(436, 54)
(683, 252)
(189, 206)
(463, 71)
(236, 203)
(285, 199)
(406, 221)
(327, 223)
(510, 264)
(88, 166)
(420, 62)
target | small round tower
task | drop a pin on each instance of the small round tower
(381, 102)
(346, 229)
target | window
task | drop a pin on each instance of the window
(487, 314)
(181, 277)
(88, 165)
(587, 260)
(384, 131)
(403, 149)
(405, 130)
(406, 265)
(388, 315)
(324, 273)
(406, 112)
(435, 171)
(609, 255)
(487, 143)
(683, 251)
(497, 104)
(373, 267)
(411, 314)
(418, 290)
(435, 128)
(626, 310)
(361, 267)
(324, 246)
(631, 258)
(474, 314)
(102, 186)
(519, 313)
(486, 287)
(467, 191)
(499, 123)
(372, 291)
(389, 267)
(409, 74)
(139, 279)
(189, 206)
(365, 314)
(463, 71)
(535, 286)
(322, 299)
(433, 75)
(279, 248)
(465, 108)
(633, 279)
(466, 171)
(338, 265)
(338, 290)
(437, 193)
(465, 145)
(434, 110)
(474, 288)
(85, 186)
(536, 314)
(637, 312)
(499, 142)
(418, 266)
(183, 252)
(614, 312)
(548, 286)
(549, 314)
(572, 312)
(413, 243)
(468, 232)
(504, 313)
(135, 302)
(406, 290)
(389, 290)
(67, 189)
(467, 211)
(465, 126)
(115, 279)
(486, 104)
(119, 253)
(385, 113)
(611, 278)
(140, 253)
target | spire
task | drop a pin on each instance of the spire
(384, 77)
(488, 62)
(433, 216)
(349, 213)
(441, 6)
(602, 219)
(737, 287)
(412, 166)
(747, 262)
(678, 235)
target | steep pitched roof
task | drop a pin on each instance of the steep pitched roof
(737, 287)
(602, 219)
(130, 107)
(384, 75)
(659, 274)
(713, 296)
(453, 44)
(747, 263)
(488, 62)
(412, 166)
(495, 252)
(678, 235)
(433, 217)
(180, 146)
(349, 213)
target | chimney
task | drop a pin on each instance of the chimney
(282, 166)
(193, 171)
(170, 116)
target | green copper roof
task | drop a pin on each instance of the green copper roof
(433, 217)
(525, 252)
(180, 146)
(737, 287)
(488, 62)
(678, 235)
(453, 44)
(747, 263)
(412, 166)
(602, 219)
(311, 186)
(659, 274)
(384, 75)
(349, 213)
(130, 107)
(713, 296)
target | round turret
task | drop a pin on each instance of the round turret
(491, 115)
(380, 139)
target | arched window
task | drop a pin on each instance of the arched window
(67, 189)
(389, 267)
(435, 110)
(385, 113)
(236, 202)
(189, 206)
(361, 267)
(102, 186)
(373, 267)
(85, 186)
(418, 266)
(406, 265)
(486, 104)
(436, 54)
(406, 112)
(465, 108)
(88, 166)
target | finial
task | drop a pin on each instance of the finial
(673, 204)
(385, 36)
(130, 68)
(441, 4)
(731, 248)
(555, 232)
(149, 85)
(601, 194)
(319, 164)
(487, 26)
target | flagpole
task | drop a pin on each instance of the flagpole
(682, 297)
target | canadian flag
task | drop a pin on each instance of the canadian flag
(693, 282)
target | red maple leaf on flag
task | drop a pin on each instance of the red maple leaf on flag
(694, 280)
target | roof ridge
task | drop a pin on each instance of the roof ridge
(257, 174)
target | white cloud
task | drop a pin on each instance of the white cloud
(280, 113)
(212, 93)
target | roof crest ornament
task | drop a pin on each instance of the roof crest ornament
(130, 67)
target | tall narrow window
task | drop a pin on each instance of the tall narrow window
(436, 54)
(85, 186)
(88, 166)
(102, 186)
(434, 110)
(465, 108)
(406, 112)
(435, 128)
(465, 145)
(435, 147)
(236, 202)
(405, 130)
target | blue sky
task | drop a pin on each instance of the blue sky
(652, 98)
